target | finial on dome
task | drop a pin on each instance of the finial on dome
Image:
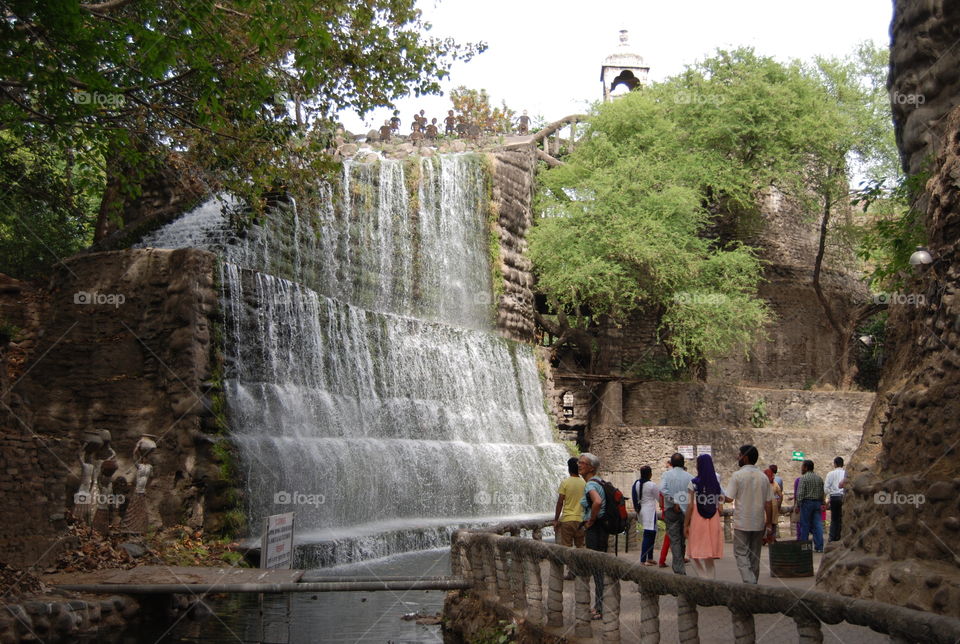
(624, 36)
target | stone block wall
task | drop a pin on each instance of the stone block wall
(624, 449)
(711, 406)
(513, 186)
(126, 346)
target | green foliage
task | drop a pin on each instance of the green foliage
(8, 332)
(870, 355)
(896, 230)
(475, 108)
(244, 91)
(626, 223)
(503, 633)
(759, 415)
(49, 203)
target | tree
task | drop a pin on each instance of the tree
(475, 108)
(243, 89)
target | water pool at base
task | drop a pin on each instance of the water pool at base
(300, 618)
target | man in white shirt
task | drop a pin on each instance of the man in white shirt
(833, 486)
(750, 490)
(674, 486)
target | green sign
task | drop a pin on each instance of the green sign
(797, 456)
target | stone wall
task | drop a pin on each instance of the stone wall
(513, 185)
(126, 346)
(714, 406)
(624, 449)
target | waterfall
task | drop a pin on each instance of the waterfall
(366, 387)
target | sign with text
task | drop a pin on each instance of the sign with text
(686, 450)
(704, 449)
(797, 456)
(276, 550)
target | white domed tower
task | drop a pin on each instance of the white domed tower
(623, 70)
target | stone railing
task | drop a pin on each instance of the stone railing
(507, 571)
(549, 139)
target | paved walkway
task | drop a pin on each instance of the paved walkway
(715, 622)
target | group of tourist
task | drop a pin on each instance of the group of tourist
(453, 126)
(691, 507)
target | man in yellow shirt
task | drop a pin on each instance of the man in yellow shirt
(568, 516)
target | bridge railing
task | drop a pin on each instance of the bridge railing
(507, 570)
(550, 139)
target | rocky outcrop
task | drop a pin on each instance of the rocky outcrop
(513, 185)
(127, 345)
(924, 78)
(902, 517)
(901, 527)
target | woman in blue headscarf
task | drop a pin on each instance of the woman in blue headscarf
(702, 527)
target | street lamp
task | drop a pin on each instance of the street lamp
(920, 256)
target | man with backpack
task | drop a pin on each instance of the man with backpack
(593, 503)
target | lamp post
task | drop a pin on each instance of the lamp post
(920, 257)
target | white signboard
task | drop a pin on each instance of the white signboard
(276, 551)
(686, 450)
(704, 449)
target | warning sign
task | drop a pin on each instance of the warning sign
(276, 551)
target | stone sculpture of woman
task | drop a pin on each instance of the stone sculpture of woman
(83, 501)
(135, 519)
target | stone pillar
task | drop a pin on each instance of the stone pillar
(611, 404)
(555, 595)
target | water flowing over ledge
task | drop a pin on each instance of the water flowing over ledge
(366, 387)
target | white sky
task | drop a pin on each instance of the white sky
(544, 55)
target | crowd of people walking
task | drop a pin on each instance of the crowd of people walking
(691, 507)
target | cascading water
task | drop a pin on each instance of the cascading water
(365, 385)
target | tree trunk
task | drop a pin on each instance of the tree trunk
(843, 335)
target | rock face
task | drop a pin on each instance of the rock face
(513, 185)
(924, 75)
(126, 346)
(901, 531)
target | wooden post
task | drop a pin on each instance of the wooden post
(744, 628)
(456, 555)
(809, 631)
(555, 595)
(611, 609)
(581, 590)
(649, 618)
(534, 588)
(687, 620)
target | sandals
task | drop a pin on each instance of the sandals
(596, 615)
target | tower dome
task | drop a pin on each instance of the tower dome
(624, 69)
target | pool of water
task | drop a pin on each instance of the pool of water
(320, 617)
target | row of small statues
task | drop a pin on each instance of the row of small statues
(101, 493)
(453, 126)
